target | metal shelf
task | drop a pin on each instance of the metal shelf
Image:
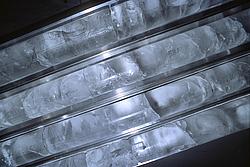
(125, 92)
(93, 7)
(145, 128)
(114, 50)
(170, 29)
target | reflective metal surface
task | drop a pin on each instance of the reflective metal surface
(132, 89)
(143, 129)
(170, 29)
(58, 23)
(126, 92)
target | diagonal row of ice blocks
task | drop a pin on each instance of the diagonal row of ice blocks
(131, 114)
(90, 32)
(190, 46)
(172, 138)
(81, 130)
(197, 89)
(168, 139)
(147, 61)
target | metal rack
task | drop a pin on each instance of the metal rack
(114, 50)
(121, 46)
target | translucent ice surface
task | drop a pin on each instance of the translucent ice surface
(103, 27)
(55, 138)
(128, 18)
(230, 32)
(243, 114)
(12, 110)
(130, 113)
(159, 12)
(180, 95)
(182, 50)
(219, 36)
(154, 12)
(126, 68)
(243, 66)
(168, 54)
(49, 47)
(100, 124)
(75, 38)
(194, 90)
(227, 78)
(160, 142)
(151, 58)
(100, 78)
(74, 88)
(57, 45)
(115, 154)
(118, 72)
(16, 61)
(56, 94)
(190, 46)
(166, 140)
(75, 161)
(43, 99)
(206, 38)
(77, 131)
(239, 110)
(24, 149)
(179, 8)
(207, 126)
(163, 141)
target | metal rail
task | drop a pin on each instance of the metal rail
(115, 49)
(148, 127)
(124, 93)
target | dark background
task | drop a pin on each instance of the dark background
(18, 17)
(232, 150)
